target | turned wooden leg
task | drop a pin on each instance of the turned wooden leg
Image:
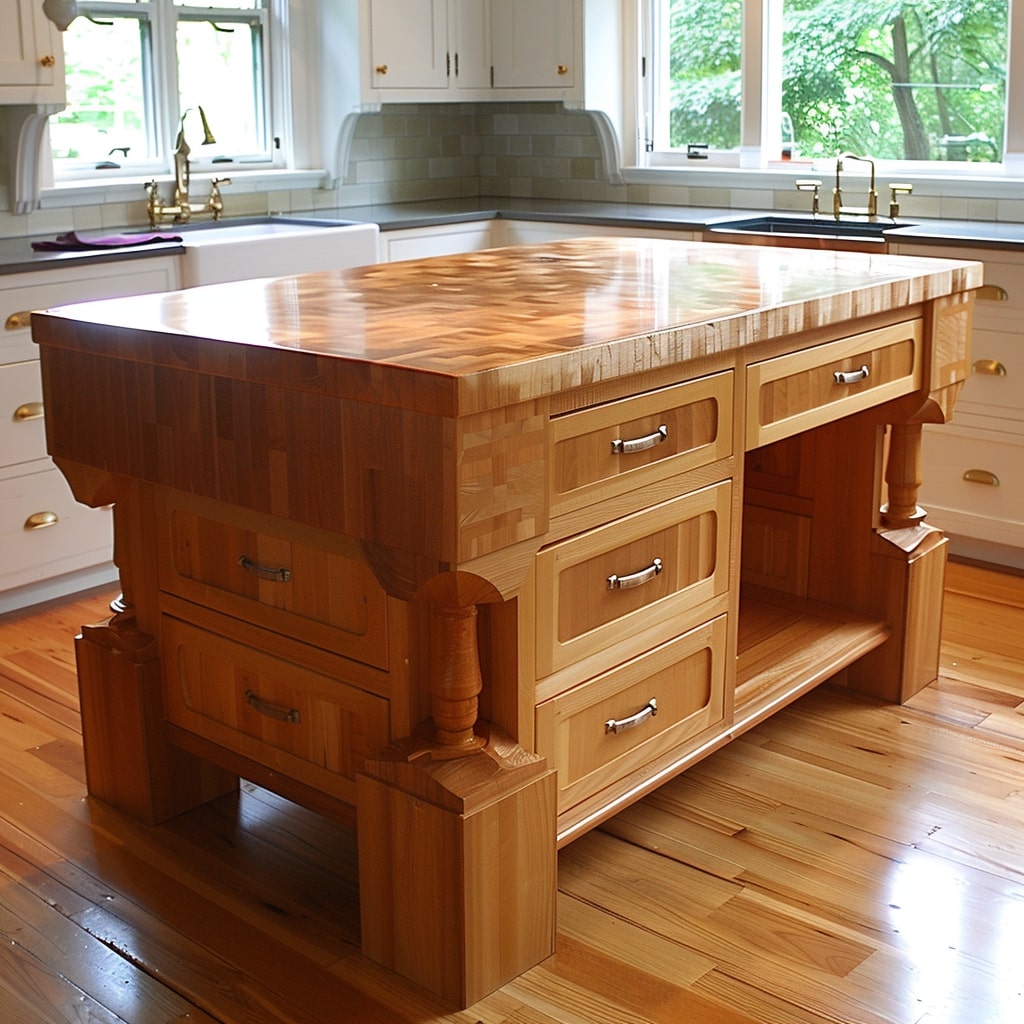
(455, 681)
(903, 475)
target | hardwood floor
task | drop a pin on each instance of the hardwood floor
(846, 861)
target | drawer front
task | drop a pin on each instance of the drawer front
(20, 294)
(974, 485)
(300, 723)
(996, 384)
(22, 434)
(44, 531)
(601, 596)
(804, 389)
(600, 731)
(631, 444)
(326, 596)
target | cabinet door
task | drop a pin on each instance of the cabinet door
(409, 44)
(533, 44)
(31, 55)
(471, 43)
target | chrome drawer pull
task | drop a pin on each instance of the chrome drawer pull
(622, 724)
(981, 476)
(274, 711)
(16, 321)
(41, 520)
(993, 293)
(29, 411)
(635, 579)
(264, 572)
(640, 444)
(989, 367)
(851, 376)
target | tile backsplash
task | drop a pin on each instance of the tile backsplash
(411, 152)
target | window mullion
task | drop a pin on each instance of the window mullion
(165, 79)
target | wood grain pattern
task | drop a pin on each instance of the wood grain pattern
(846, 861)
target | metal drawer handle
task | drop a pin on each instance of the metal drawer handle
(264, 572)
(381, 69)
(649, 710)
(29, 411)
(851, 376)
(635, 579)
(640, 444)
(41, 520)
(993, 293)
(16, 321)
(274, 711)
(981, 476)
(563, 69)
(990, 367)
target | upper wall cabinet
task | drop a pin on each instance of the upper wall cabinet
(424, 50)
(31, 55)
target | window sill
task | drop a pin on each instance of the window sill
(1003, 181)
(127, 190)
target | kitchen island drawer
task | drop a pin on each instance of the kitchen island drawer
(805, 389)
(303, 724)
(614, 724)
(317, 589)
(607, 594)
(632, 443)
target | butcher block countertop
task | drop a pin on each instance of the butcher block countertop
(534, 320)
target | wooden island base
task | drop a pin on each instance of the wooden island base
(478, 550)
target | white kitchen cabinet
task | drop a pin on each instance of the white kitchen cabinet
(31, 55)
(974, 466)
(534, 44)
(52, 545)
(441, 240)
(428, 50)
(471, 236)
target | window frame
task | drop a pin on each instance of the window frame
(161, 85)
(762, 91)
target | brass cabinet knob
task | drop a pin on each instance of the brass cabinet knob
(41, 520)
(381, 69)
(28, 411)
(19, 320)
(48, 61)
(563, 69)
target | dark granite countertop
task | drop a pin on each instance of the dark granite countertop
(17, 255)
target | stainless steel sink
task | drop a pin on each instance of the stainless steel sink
(804, 226)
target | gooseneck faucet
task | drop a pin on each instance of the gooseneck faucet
(182, 208)
(871, 210)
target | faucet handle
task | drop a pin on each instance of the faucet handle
(896, 189)
(810, 185)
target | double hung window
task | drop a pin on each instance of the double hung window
(752, 82)
(139, 70)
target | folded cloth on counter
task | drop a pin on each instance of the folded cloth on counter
(72, 241)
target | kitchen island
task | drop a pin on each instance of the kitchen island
(477, 550)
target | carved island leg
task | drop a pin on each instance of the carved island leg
(457, 848)
(128, 761)
(907, 564)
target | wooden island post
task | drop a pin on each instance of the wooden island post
(486, 547)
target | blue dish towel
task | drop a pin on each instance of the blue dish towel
(74, 242)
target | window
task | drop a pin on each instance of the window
(751, 83)
(138, 71)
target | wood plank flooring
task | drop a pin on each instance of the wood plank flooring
(846, 861)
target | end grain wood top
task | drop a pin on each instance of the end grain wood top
(463, 333)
